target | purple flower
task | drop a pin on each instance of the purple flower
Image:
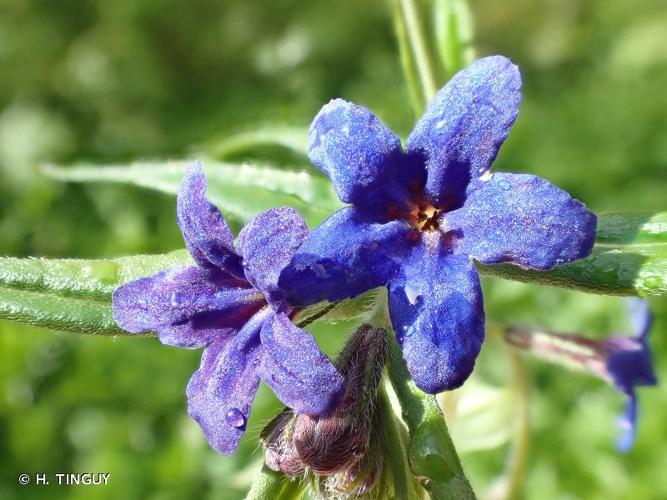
(418, 216)
(624, 362)
(230, 303)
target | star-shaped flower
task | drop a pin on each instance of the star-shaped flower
(230, 303)
(418, 216)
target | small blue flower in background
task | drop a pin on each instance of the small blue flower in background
(623, 361)
(230, 304)
(628, 363)
(418, 216)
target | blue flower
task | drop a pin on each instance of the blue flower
(628, 363)
(418, 216)
(230, 303)
(623, 361)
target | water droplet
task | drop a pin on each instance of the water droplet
(412, 294)
(235, 418)
(176, 299)
(486, 176)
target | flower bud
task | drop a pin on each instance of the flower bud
(340, 449)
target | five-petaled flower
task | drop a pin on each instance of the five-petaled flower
(230, 303)
(623, 361)
(420, 215)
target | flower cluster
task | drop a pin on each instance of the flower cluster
(417, 218)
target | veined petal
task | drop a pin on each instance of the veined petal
(343, 257)
(302, 376)
(267, 244)
(353, 148)
(524, 220)
(464, 126)
(205, 231)
(436, 308)
(221, 392)
(185, 305)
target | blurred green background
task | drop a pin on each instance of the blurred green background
(114, 81)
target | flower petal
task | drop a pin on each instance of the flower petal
(641, 317)
(354, 149)
(185, 305)
(302, 376)
(221, 392)
(343, 257)
(267, 244)
(521, 219)
(464, 126)
(627, 424)
(436, 308)
(629, 363)
(205, 231)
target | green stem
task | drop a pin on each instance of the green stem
(453, 29)
(395, 452)
(272, 485)
(432, 453)
(407, 61)
(419, 48)
(518, 460)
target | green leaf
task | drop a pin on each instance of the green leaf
(241, 191)
(72, 294)
(629, 258)
(292, 138)
(359, 308)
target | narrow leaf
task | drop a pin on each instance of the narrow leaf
(72, 294)
(57, 312)
(629, 258)
(292, 138)
(241, 191)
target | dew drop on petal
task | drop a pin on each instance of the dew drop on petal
(235, 418)
(486, 176)
(176, 299)
(412, 294)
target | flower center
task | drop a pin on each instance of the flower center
(424, 217)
